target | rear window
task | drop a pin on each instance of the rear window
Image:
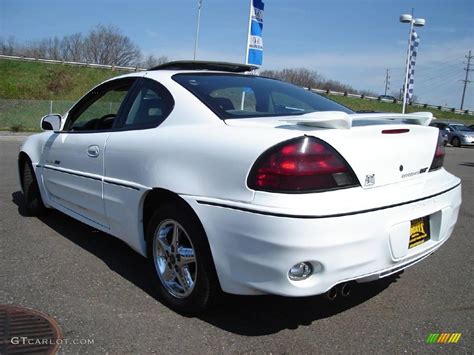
(248, 96)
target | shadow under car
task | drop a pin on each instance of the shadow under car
(243, 315)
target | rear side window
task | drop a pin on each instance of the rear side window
(248, 96)
(151, 105)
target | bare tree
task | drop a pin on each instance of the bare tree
(335, 85)
(53, 48)
(152, 61)
(35, 49)
(312, 79)
(299, 76)
(8, 46)
(106, 45)
(72, 47)
(102, 45)
(414, 99)
(368, 93)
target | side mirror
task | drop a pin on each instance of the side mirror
(51, 122)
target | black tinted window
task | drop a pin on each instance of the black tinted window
(244, 96)
(98, 110)
(150, 106)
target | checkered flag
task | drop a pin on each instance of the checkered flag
(415, 41)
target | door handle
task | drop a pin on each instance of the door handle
(93, 151)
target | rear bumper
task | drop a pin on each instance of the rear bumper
(254, 251)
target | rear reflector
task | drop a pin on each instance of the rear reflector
(303, 164)
(395, 131)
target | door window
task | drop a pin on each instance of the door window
(98, 110)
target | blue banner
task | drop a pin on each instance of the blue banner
(255, 42)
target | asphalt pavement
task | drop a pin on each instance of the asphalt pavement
(98, 291)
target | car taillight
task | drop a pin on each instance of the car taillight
(301, 165)
(438, 159)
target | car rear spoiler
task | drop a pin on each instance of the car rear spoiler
(342, 120)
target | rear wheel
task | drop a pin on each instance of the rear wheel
(180, 260)
(33, 203)
(456, 142)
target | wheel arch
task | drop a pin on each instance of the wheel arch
(158, 197)
(32, 149)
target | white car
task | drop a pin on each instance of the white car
(238, 183)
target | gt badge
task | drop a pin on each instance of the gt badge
(369, 180)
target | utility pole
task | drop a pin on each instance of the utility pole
(387, 81)
(466, 79)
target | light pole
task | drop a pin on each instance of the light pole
(417, 22)
(196, 39)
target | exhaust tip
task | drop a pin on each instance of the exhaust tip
(331, 294)
(346, 289)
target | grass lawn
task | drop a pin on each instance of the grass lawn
(24, 115)
(43, 81)
(27, 87)
(365, 104)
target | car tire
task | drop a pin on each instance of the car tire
(186, 288)
(456, 142)
(33, 202)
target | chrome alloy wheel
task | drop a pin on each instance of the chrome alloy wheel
(174, 258)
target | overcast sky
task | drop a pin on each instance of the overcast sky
(352, 41)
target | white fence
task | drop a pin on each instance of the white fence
(83, 64)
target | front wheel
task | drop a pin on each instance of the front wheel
(456, 142)
(180, 260)
(33, 202)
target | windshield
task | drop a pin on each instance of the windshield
(248, 96)
(461, 127)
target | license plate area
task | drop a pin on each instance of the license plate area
(419, 231)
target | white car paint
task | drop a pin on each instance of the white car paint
(358, 233)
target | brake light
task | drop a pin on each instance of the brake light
(301, 165)
(438, 158)
(395, 131)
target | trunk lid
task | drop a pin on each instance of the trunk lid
(381, 149)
